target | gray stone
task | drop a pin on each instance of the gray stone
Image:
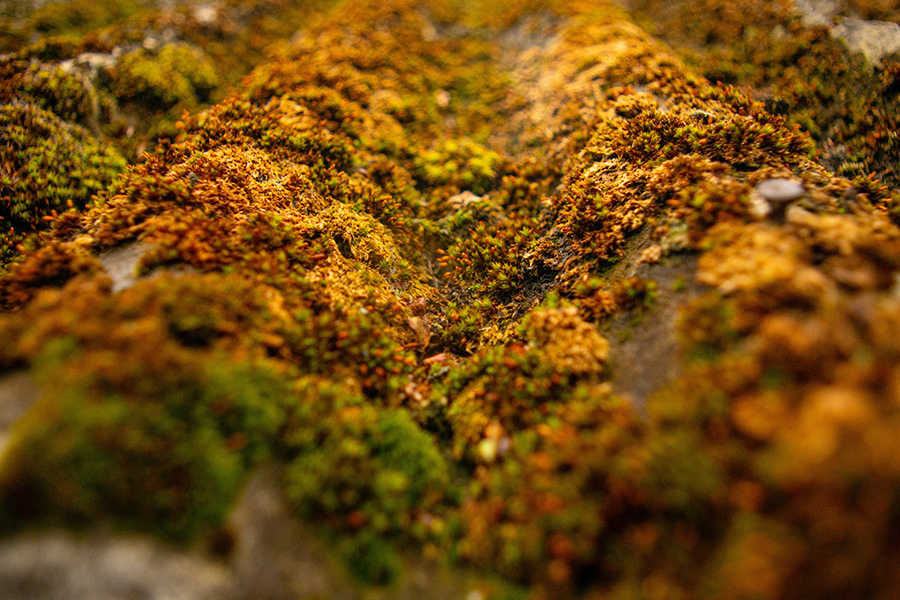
(875, 39)
(780, 191)
(60, 566)
(121, 264)
(17, 394)
(817, 13)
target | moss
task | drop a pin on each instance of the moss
(164, 445)
(372, 475)
(140, 65)
(67, 93)
(504, 389)
(676, 173)
(79, 17)
(177, 77)
(802, 72)
(383, 264)
(541, 516)
(49, 167)
(459, 163)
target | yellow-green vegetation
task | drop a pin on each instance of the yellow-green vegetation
(386, 265)
(848, 106)
(141, 64)
(65, 18)
(48, 167)
(126, 72)
(175, 78)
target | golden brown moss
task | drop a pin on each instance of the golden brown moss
(399, 238)
(848, 106)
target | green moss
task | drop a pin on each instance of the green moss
(492, 261)
(504, 389)
(49, 167)
(65, 92)
(167, 453)
(462, 164)
(176, 74)
(372, 476)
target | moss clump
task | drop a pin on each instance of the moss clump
(677, 173)
(140, 64)
(543, 514)
(372, 476)
(504, 389)
(80, 16)
(173, 79)
(162, 443)
(461, 164)
(493, 261)
(66, 92)
(49, 167)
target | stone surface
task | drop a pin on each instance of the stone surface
(62, 566)
(780, 190)
(121, 264)
(17, 394)
(874, 39)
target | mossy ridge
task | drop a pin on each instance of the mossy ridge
(276, 200)
(690, 508)
(847, 105)
(567, 490)
(125, 85)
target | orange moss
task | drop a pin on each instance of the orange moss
(411, 234)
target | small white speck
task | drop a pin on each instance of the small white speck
(205, 14)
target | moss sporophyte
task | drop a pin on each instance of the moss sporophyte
(420, 259)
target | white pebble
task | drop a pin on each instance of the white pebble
(780, 190)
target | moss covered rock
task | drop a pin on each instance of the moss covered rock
(401, 267)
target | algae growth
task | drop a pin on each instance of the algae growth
(395, 264)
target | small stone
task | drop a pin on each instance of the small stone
(121, 264)
(875, 39)
(779, 191)
(205, 14)
(464, 199)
